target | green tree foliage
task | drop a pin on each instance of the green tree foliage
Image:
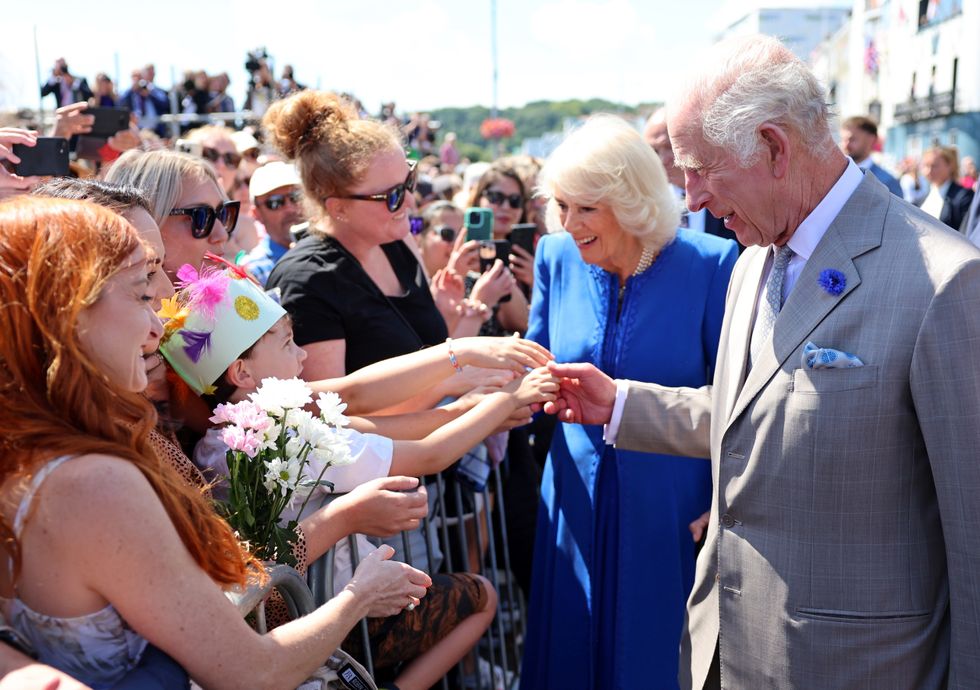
(532, 120)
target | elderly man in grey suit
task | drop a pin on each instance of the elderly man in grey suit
(843, 423)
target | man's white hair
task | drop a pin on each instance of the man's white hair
(753, 80)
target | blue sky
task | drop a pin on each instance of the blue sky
(420, 53)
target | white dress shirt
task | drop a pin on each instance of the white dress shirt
(803, 241)
(936, 199)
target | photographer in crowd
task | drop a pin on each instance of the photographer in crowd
(64, 86)
(147, 101)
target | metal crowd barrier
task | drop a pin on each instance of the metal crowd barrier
(502, 643)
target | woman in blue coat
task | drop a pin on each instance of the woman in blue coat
(617, 285)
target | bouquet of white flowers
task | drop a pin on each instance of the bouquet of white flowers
(272, 444)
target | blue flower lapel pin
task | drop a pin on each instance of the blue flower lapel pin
(832, 280)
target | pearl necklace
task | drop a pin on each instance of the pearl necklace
(646, 260)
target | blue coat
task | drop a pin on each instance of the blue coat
(614, 560)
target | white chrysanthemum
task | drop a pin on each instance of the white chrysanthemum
(282, 474)
(275, 396)
(333, 448)
(296, 417)
(294, 446)
(332, 409)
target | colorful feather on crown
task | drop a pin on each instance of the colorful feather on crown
(202, 291)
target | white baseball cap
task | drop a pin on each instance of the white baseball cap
(272, 176)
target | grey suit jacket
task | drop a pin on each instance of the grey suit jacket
(844, 543)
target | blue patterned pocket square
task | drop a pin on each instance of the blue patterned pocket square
(826, 358)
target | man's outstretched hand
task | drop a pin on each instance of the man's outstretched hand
(586, 396)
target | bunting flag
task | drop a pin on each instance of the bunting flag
(871, 57)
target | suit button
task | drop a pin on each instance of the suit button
(727, 521)
(717, 577)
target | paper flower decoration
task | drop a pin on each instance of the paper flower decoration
(832, 280)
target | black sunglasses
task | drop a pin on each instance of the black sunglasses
(231, 159)
(446, 233)
(497, 198)
(394, 197)
(277, 201)
(202, 217)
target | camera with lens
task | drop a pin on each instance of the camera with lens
(254, 60)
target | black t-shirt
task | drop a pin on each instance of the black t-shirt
(329, 296)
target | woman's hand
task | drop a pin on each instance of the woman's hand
(516, 354)
(472, 377)
(8, 137)
(521, 265)
(699, 526)
(70, 120)
(448, 291)
(491, 286)
(538, 387)
(156, 389)
(465, 257)
(39, 677)
(386, 506)
(125, 140)
(386, 587)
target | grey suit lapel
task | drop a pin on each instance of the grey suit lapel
(741, 328)
(856, 230)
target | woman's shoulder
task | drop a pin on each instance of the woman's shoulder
(314, 249)
(96, 474)
(311, 256)
(555, 244)
(703, 245)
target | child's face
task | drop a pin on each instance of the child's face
(275, 354)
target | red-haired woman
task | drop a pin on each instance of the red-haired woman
(108, 549)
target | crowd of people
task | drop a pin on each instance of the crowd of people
(719, 361)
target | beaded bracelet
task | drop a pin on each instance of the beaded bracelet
(452, 356)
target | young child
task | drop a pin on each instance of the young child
(225, 335)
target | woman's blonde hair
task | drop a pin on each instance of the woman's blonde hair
(951, 155)
(606, 161)
(331, 145)
(160, 176)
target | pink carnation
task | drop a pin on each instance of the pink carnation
(243, 440)
(245, 414)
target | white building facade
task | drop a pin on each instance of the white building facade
(912, 65)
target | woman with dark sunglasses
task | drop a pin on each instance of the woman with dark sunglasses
(219, 149)
(354, 289)
(357, 294)
(188, 203)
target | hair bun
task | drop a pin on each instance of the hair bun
(305, 119)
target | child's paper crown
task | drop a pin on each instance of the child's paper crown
(214, 317)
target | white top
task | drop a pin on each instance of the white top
(935, 200)
(803, 242)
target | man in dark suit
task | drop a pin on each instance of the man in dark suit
(146, 100)
(971, 224)
(64, 86)
(947, 200)
(655, 134)
(858, 136)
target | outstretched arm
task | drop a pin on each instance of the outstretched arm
(655, 419)
(391, 381)
(442, 447)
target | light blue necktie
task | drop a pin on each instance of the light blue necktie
(771, 301)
